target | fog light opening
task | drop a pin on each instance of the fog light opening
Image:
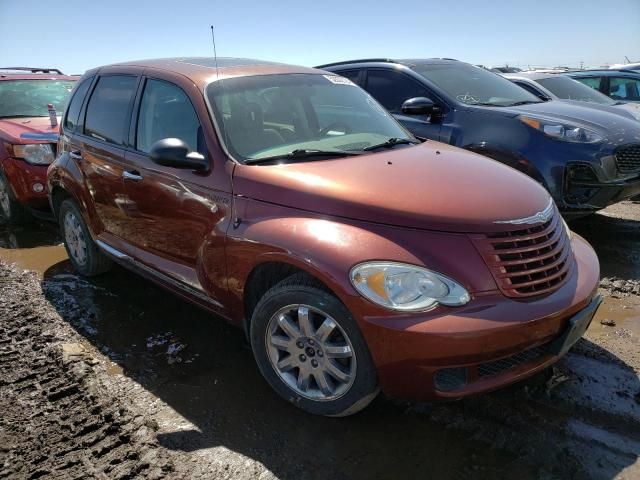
(37, 187)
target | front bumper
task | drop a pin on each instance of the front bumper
(22, 177)
(410, 352)
(587, 189)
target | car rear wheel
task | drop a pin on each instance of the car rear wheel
(13, 212)
(310, 350)
(83, 253)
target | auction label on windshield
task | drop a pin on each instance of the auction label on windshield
(338, 80)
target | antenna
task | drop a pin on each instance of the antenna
(215, 55)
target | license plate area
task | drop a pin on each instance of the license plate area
(577, 325)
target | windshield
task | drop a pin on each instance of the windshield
(29, 98)
(474, 85)
(568, 89)
(270, 115)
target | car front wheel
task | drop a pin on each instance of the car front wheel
(10, 209)
(310, 350)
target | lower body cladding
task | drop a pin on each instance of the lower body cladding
(28, 183)
(491, 342)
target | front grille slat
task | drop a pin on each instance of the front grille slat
(628, 159)
(528, 261)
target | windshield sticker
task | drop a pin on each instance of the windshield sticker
(338, 80)
(467, 98)
(51, 137)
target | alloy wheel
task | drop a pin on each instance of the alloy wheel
(310, 352)
(74, 238)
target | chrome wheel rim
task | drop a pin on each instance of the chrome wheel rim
(5, 204)
(310, 352)
(74, 238)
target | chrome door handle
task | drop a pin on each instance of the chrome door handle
(133, 175)
(75, 154)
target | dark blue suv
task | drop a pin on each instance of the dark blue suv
(585, 157)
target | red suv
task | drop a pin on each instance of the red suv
(288, 201)
(29, 100)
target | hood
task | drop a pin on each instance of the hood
(613, 126)
(28, 130)
(430, 186)
(631, 108)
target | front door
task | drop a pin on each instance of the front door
(392, 89)
(175, 214)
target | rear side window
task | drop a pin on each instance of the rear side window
(391, 89)
(71, 120)
(108, 109)
(593, 82)
(166, 112)
(621, 88)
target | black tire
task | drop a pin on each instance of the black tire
(302, 289)
(93, 262)
(11, 211)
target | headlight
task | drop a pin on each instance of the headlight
(403, 287)
(562, 131)
(36, 154)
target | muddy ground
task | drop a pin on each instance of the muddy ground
(115, 378)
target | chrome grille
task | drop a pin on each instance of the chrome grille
(628, 159)
(528, 261)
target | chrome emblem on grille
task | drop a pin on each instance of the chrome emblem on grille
(540, 217)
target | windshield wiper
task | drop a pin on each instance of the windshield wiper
(301, 153)
(390, 143)
(524, 102)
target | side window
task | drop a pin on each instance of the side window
(531, 89)
(166, 112)
(352, 75)
(621, 88)
(593, 82)
(108, 109)
(71, 117)
(391, 88)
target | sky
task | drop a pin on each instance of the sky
(76, 35)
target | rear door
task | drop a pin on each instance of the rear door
(100, 153)
(392, 89)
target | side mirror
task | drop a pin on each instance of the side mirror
(419, 106)
(173, 152)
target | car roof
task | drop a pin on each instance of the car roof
(203, 70)
(33, 73)
(529, 75)
(408, 62)
(607, 72)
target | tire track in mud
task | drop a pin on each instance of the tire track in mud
(56, 422)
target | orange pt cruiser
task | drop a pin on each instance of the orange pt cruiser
(286, 200)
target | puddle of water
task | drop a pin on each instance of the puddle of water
(625, 312)
(34, 247)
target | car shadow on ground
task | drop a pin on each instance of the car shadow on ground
(203, 369)
(615, 240)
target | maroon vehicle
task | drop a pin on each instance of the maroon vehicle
(287, 201)
(28, 137)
